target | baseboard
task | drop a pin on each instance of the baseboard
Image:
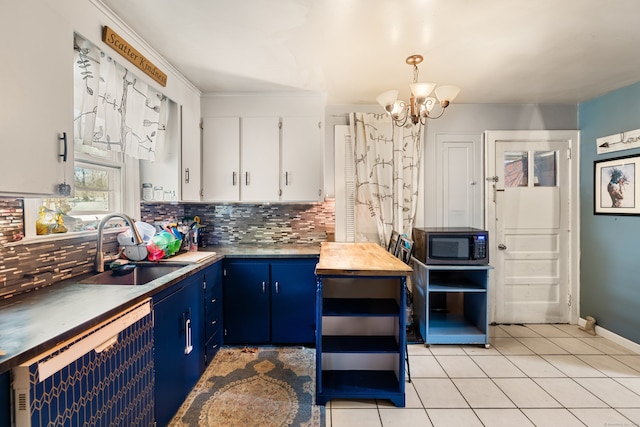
(611, 336)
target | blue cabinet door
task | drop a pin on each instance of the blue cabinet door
(246, 302)
(5, 399)
(178, 346)
(293, 286)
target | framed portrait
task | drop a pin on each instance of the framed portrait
(617, 191)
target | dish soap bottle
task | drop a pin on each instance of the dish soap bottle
(59, 227)
(42, 225)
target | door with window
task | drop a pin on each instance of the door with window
(530, 214)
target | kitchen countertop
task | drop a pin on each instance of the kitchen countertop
(36, 321)
(359, 259)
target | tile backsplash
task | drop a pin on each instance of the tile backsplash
(29, 266)
(11, 220)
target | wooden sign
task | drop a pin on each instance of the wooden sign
(135, 57)
(619, 141)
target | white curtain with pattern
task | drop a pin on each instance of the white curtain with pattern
(115, 110)
(387, 168)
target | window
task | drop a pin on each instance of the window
(98, 191)
(118, 119)
(516, 169)
(545, 168)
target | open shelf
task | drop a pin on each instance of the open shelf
(469, 287)
(451, 328)
(359, 307)
(359, 344)
(451, 303)
(355, 384)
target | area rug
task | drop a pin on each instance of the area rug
(265, 386)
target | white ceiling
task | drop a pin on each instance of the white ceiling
(496, 51)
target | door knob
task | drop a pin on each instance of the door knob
(502, 246)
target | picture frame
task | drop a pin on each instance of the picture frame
(616, 186)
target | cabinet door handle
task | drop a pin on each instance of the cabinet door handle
(186, 175)
(234, 178)
(63, 138)
(277, 287)
(188, 347)
(264, 287)
(214, 322)
(286, 178)
(213, 301)
(246, 178)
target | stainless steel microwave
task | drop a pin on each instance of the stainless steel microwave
(451, 245)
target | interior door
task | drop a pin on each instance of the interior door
(530, 231)
(458, 180)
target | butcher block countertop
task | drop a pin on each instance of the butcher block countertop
(359, 259)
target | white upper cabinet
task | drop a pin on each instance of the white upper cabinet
(221, 159)
(301, 170)
(261, 159)
(176, 167)
(36, 83)
(190, 138)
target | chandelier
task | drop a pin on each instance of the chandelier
(420, 104)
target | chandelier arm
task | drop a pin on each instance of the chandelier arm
(429, 116)
(401, 121)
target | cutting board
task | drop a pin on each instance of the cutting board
(191, 257)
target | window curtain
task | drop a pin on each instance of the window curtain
(387, 167)
(115, 110)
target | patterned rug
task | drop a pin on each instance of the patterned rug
(266, 386)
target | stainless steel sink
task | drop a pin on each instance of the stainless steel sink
(140, 275)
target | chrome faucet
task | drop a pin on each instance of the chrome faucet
(99, 264)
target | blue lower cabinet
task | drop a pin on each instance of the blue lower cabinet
(293, 318)
(5, 399)
(269, 301)
(178, 342)
(246, 302)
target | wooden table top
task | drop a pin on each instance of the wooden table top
(359, 259)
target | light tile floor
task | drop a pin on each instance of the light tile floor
(532, 375)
